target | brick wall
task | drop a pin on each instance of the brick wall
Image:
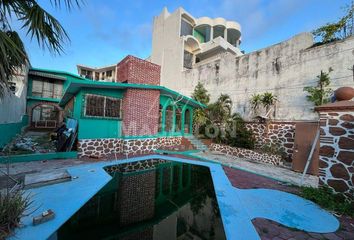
(336, 165)
(135, 70)
(140, 106)
(140, 112)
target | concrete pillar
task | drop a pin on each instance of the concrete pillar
(336, 155)
(225, 34)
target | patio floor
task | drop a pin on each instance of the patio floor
(241, 179)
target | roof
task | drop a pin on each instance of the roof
(47, 75)
(75, 86)
(49, 71)
(79, 82)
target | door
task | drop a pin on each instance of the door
(305, 133)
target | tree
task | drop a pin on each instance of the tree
(201, 95)
(38, 24)
(337, 30)
(320, 93)
(256, 101)
(266, 99)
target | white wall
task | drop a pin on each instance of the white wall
(168, 47)
(13, 106)
(243, 76)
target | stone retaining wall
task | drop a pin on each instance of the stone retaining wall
(279, 133)
(336, 165)
(246, 153)
(101, 147)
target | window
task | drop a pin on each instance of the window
(178, 120)
(188, 60)
(169, 119)
(160, 118)
(101, 106)
(186, 28)
(47, 88)
(109, 73)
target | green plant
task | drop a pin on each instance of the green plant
(199, 117)
(12, 208)
(325, 197)
(256, 101)
(38, 23)
(268, 100)
(242, 137)
(275, 149)
(320, 93)
(337, 30)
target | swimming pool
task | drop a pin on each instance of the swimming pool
(150, 199)
(237, 206)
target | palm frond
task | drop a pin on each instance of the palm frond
(44, 27)
(69, 4)
(12, 56)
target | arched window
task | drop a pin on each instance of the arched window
(45, 116)
(160, 118)
(169, 119)
(178, 127)
(187, 119)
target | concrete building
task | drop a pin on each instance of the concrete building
(105, 73)
(206, 50)
(180, 42)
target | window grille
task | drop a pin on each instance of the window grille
(101, 106)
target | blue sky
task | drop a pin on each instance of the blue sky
(103, 32)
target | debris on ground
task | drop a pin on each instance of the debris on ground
(31, 142)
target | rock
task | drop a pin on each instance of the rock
(339, 171)
(338, 185)
(346, 157)
(327, 151)
(346, 143)
(337, 131)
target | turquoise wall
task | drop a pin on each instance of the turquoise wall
(9, 130)
(96, 127)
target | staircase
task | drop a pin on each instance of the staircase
(197, 143)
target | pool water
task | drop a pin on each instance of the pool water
(150, 199)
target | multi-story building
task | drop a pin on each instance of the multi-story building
(181, 42)
(105, 73)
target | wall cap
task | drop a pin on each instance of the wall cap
(336, 106)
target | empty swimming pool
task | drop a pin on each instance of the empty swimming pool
(150, 199)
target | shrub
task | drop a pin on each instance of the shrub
(325, 197)
(12, 207)
(276, 149)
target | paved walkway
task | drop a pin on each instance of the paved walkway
(275, 172)
(268, 229)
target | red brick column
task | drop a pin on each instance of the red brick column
(337, 146)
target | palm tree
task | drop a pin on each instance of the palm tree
(256, 101)
(38, 24)
(268, 100)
